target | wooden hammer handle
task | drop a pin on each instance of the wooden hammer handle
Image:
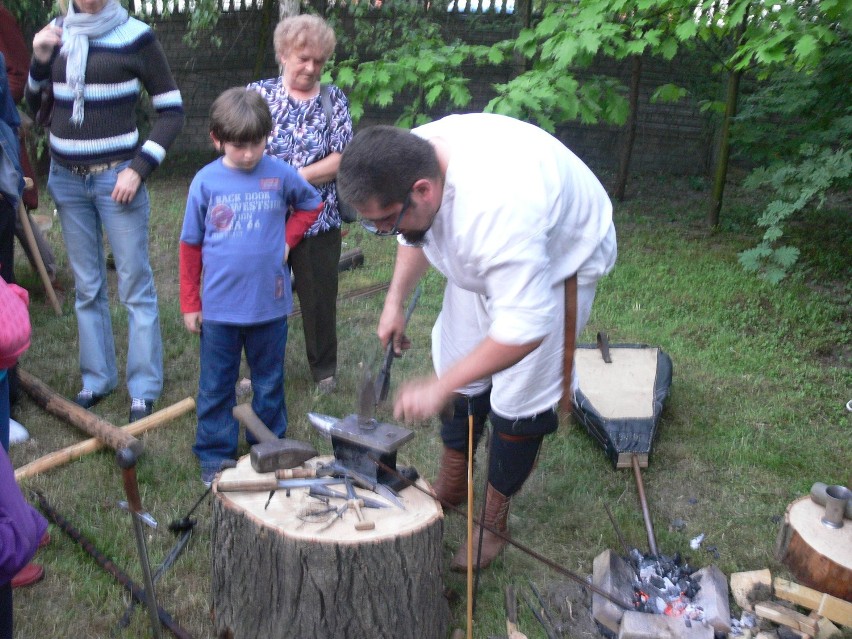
(296, 473)
(67, 410)
(260, 484)
(248, 418)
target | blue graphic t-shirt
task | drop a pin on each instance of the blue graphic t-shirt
(238, 218)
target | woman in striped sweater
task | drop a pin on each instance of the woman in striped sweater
(98, 60)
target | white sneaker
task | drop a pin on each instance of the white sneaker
(17, 433)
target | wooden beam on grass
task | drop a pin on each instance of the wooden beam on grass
(81, 449)
(823, 604)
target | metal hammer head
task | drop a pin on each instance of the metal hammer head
(279, 454)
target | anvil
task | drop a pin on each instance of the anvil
(359, 443)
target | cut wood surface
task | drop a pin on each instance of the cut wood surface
(276, 575)
(818, 556)
(76, 451)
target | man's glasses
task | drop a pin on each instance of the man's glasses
(370, 225)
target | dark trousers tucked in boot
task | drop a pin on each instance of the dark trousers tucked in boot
(497, 517)
(451, 484)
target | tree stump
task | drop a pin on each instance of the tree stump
(819, 556)
(275, 574)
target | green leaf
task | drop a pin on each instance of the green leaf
(668, 93)
(432, 95)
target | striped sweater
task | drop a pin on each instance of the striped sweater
(120, 64)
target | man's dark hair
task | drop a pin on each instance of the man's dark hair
(240, 116)
(383, 162)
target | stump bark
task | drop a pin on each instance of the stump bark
(275, 575)
(819, 556)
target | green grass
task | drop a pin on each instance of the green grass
(755, 416)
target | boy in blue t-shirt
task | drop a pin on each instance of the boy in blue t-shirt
(244, 212)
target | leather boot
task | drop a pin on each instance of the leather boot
(497, 517)
(451, 484)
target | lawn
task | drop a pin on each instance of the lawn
(756, 414)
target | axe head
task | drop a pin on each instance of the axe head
(267, 457)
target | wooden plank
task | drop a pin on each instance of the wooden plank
(836, 610)
(826, 605)
(786, 617)
(796, 593)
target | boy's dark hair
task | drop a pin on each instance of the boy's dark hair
(383, 162)
(240, 116)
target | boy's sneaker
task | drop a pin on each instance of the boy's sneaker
(86, 398)
(140, 408)
(17, 433)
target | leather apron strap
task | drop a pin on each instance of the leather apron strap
(570, 341)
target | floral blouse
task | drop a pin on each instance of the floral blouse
(302, 135)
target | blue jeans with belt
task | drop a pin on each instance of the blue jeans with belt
(86, 209)
(217, 435)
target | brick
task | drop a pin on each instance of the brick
(713, 598)
(641, 625)
(613, 575)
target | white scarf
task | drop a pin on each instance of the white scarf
(76, 31)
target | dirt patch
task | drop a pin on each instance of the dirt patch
(570, 605)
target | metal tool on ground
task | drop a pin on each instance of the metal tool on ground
(271, 453)
(355, 448)
(548, 628)
(549, 624)
(107, 564)
(138, 516)
(382, 383)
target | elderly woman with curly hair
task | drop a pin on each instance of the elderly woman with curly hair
(311, 127)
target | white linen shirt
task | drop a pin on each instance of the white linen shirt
(520, 213)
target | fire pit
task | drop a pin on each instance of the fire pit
(670, 600)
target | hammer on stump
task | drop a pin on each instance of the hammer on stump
(271, 453)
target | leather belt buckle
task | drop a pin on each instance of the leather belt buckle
(91, 169)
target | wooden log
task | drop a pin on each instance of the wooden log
(76, 451)
(819, 556)
(275, 575)
(68, 411)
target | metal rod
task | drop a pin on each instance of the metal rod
(649, 528)
(134, 504)
(107, 564)
(508, 539)
(469, 520)
(617, 531)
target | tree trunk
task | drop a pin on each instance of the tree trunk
(276, 575)
(630, 129)
(287, 8)
(724, 136)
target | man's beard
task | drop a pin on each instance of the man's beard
(417, 238)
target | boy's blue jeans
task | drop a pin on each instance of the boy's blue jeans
(217, 435)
